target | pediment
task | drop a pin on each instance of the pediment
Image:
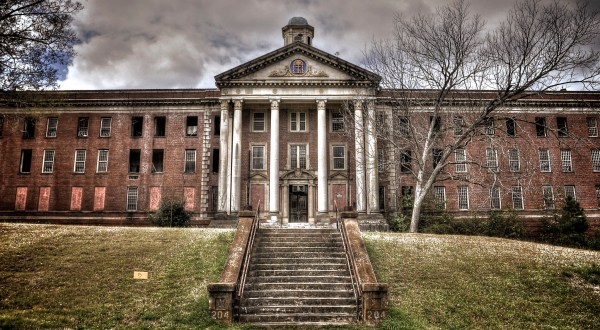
(297, 64)
(297, 174)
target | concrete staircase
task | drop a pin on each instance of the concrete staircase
(298, 276)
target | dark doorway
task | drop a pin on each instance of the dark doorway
(298, 203)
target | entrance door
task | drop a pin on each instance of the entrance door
(298, 203)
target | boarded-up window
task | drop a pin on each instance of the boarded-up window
(44, 199)
(189, 196)
(99, 196)
(154, 198)
(76, 195)
(21, 199)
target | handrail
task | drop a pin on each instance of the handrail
(248, 253)
(351, 267)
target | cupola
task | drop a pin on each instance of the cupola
(297, 29)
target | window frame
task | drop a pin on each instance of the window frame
(254, 157)
(137, 126)
(460, 163)
(105, 130)
(158, 122)
(52, 127)
(29, 124)
(511, 127)
(99, 161)
(458, 125)
(491, 157)
(592, 129)
(405, 161)
(548, 197)
(131, 200)
(544, 161)
(77, 161)
(155, 161)
(514, 160)
(188, 161)
(541, 127)
(337, 123)
(334, 157)
(489, 126)
(298, 121)
(566, 164)
(189, 127)
(83, 131)
(462, 198)
(595, 160)
(439, 196)
(256, 121)
(562, 127)
(569, 190)
(297, 153)
(517, 196)
(495, 198)
(48, 164)
(25, 152)
(132, 164)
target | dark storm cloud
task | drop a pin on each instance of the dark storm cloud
(185, 43)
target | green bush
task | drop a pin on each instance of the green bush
(594, 240)
(504, 224)
(399, 223)
(569, 227)
(498, 224)
(171, 214)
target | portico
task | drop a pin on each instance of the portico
(287, 148)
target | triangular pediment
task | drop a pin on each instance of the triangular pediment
(297, 64)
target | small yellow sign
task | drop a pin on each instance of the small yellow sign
(140, 275)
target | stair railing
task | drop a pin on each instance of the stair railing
(351, 266)
(248, 254)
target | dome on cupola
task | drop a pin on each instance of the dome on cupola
(297, 30)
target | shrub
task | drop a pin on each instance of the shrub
(504, 224)
(594, 240)
(400, 222)
(569, 227)
(171, 214)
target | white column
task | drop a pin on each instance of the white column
(274, 161)
(236, 166)
(371, 157)
(359, 138)
(322, 157)
(223, 206)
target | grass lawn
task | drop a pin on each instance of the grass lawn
(82, 277)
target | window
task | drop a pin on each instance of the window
(598, 195)
(190, 161)
(544, 160)
(337, 122)
(298, 156)
(105, 123)
(258, 158)
(517, 197)
(217, 125)
(596, 160)
(381, 195)
(570, 192)
(461, 160)
(463, 197)
(511, 127)
(258, 122)
(565, 158)
(458, 125)
(548, 196)
(440, 197)
(297, 121)
(339, 157)
(51, 127)
(380, 160)
(29, 128)
(102, 165)
(25, 166)
(513, 160)
(134, 160)
(592, 127)
(48, 162)
(79, 164)
(561, 124)
(215, 161)
(83, 126)
(540, 126)
(404, 126)
(132, 198)
(160, 126)
(405, 161)
(491, 156)
(437, 156)
(495, 198)
(137, 126)
(407, 197)
(437, 123)
(191, 126)
(488, 124)
(158, 156)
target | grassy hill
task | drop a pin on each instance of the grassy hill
(82, 277)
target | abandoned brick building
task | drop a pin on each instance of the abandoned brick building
(272, 135)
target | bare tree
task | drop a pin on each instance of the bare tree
(36, 39)
(445, 77)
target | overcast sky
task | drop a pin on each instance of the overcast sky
(127, 44)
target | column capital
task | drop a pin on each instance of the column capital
(274, 102)
(321, 103)
(237, 102)
(224, 104)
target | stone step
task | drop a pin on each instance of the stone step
(298, 286)
(342, 271)
(297, 240)
(299, 260)
(297, 293)
(298, 255)
(299, 301)
(298, 249)
(299, 245)
(293, 309)
(266, 231)
(267, 266)
(298, 279)
(317, 318)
